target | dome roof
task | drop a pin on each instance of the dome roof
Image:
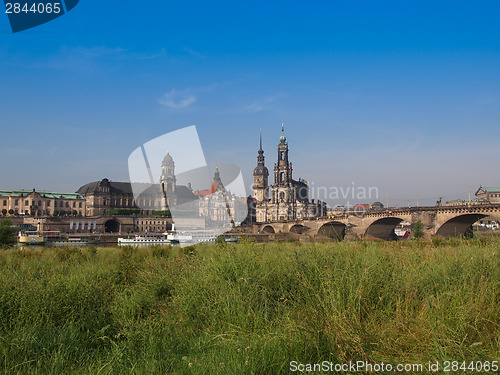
(260, 169)
(167, 159)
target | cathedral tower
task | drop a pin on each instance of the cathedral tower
(282, 169)
(167, 179)
(283, 191)
(260, 177)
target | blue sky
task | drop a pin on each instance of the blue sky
(401, 96)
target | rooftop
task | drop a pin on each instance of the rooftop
(490, 189)
(44, 194)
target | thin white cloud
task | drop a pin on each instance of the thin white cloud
(78, 58)
(194, 53)
(177, 100)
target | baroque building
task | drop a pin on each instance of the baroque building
(41, 203)
(219, 205)
(105, 195)
(489, 194)
(289, 199)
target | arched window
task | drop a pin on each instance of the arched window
(282, 176)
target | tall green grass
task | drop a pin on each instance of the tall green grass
(247, 308)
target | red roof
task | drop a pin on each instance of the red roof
(205, 193)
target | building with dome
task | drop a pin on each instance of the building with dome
(288, 198)
(106, 195)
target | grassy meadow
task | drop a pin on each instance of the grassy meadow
(248, 308)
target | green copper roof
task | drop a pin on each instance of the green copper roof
(282, 138)
(44, 194)
(490, 189)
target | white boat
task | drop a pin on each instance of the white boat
(145, 240)
(172, 237)
(402, 233)
(30, 238)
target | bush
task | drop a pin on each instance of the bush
(7, 233)
(165, 213)
(123, 211)
(418, 229)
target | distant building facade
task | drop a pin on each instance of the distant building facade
(466, 202)
(41, 203)
(288, 199)
(484, 195)
(489, 194)
(213, 204)
(105, 195)
(220, 205)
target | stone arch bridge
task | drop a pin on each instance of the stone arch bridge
(437, 221)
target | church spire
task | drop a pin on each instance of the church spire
(283, 138)
(217, 175)
(260, 176)
(260, 158)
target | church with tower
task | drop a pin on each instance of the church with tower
(286, 199)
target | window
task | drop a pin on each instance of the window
(282, 176)
(48, 203)
(26, 203)
(74, 204)
(16, 202)
(5, 203)
(80, 205)
(67, 204)
(39, 203)
(61, 204)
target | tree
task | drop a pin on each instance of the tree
(11, 211)
(56, 213)
(418, 229)
(4, 212)
(7, 233)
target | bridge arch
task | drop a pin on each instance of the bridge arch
(299, 229)
(383, 229)
(333, 229)
(268, 229)
(112, 226)
(459, 226)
